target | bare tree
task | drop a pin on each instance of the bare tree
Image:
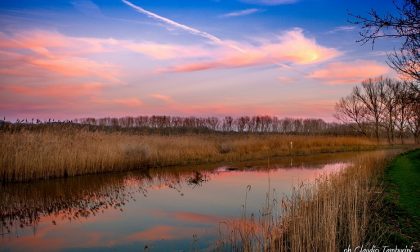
(386, 104)
(351, 111)
(404, 25)
(389, 99)
(370, 93)
(402, 95)
(414, 114)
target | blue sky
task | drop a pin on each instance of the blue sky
(67, 59)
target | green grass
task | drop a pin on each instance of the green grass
(402, 200)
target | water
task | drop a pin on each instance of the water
(172, 209)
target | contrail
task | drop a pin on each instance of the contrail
(191, 30)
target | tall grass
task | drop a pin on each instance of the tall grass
(332, 214)
(39, 154)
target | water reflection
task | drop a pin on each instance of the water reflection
(159, 209)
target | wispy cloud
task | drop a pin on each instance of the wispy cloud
(186, 28)
(241, 13)
(161, 97)
(270, 2)
(345, 28)
(348, 72)
(164, 51)
(128, 102)
(48, 54)
(380, 53)
(87, 7)
(57, 90)
(292, 47)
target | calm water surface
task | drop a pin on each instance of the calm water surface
(173, 209)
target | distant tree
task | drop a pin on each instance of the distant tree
(242, 122)
(227, 123)
(404, 25)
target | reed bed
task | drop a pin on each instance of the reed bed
(332, 214)
(40, 154)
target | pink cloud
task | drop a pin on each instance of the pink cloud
(292, 47)
(164, 232)
(56, 90)
(46, 54)
(154, 233)
(67, 55)
(348, 72)
(42, 53)
(71, 72)
(165, 51)
(115, 103)
(128, 102)
(286, 80)
(195, 217)
(53, 44)
(77, 67)
(161, 97)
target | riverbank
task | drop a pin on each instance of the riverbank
(401, 215)
(61, 152)
(337, 212)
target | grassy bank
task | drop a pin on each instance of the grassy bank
(401, 218)
(334, 213)
(40, 154)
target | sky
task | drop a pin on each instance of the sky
(95, 58)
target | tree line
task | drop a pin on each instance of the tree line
(242, 124)
(382, 107)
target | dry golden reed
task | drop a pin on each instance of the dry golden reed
(27, 155)
(331, 214)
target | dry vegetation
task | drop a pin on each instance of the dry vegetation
(61, 152)
(330, 215)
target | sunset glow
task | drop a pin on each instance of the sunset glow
(86, 58)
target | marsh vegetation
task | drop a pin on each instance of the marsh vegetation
(337, 211)
(64, 149)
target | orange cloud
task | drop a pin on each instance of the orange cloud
(349, 72)
(291, 47)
